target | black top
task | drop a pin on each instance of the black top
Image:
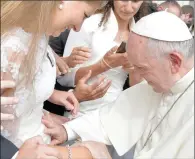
(58, 43)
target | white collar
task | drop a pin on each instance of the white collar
(183, 83)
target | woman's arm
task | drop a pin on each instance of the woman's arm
(78, 152)
(110, 60)
(96, 69)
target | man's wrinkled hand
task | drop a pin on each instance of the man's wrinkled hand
(56, 131)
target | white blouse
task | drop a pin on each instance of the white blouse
(100, 41)
(29, 110)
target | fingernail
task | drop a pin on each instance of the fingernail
(65, 71)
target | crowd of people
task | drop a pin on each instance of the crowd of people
(69, 91)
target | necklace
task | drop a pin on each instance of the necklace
(150, 135)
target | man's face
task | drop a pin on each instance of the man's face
(156, 72)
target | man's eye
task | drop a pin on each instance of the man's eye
(139, 68)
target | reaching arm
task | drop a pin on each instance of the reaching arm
(78, 152)
(96, 69)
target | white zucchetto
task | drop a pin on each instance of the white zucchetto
(162, 26)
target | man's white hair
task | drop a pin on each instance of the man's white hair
(162, 48)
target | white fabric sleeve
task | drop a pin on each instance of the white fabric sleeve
(89, 128)
(16, 154)
(71, 134)
(68, 79)
(187, 149)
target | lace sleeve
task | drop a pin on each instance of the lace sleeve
(12, 54)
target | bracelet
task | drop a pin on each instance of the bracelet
(69, 152)
(106, 63)
(110, 66)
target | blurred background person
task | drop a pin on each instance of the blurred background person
(188, 17)
(172, 6)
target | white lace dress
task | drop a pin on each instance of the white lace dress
(29, 110)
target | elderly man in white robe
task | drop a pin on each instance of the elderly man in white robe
(156, 115)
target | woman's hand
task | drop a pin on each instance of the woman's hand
(112, 59)
(35, 148)
(66, 99)
(9, 101)
(78, 56)
(56, 131)
(61, 66)
(85, 92)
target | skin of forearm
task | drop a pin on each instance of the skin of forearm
(51, 97)
(96, 69)
(77, 152)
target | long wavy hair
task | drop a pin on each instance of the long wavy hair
(106, 10)
(25, 15)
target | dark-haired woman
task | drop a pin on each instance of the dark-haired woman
(101, 32)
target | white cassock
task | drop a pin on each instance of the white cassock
(135, 114)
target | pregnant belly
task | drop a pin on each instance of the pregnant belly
(30, 130)
(98, 103)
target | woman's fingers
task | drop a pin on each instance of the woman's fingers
(7, 117)
(48, 124)
(68, 105)
(103, 91)
(9, 100)
(75, 103)
(7, 84)
(79, 58)
(82, 48)
(58, 71)
(98, 83)
(54, 142)
(104, 86)
(63, 67)
(49, 132)
(112, 51)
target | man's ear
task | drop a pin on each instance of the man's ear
(176, 61)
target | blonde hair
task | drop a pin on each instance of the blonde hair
(33, 15)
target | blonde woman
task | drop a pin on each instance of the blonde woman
(27, 59)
